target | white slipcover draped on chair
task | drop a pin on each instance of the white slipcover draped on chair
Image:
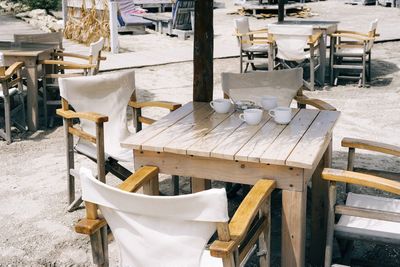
(106, 94)
(291, 40)
(159, 231)
(284, 84)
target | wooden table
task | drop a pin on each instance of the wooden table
(30, 54)
(326, 27)
(195, 141)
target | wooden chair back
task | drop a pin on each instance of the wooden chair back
(181, 14)
(95, 54)
(44, 38)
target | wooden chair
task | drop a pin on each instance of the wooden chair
(96, 100)
(353, 52)
(11, 98)
(54, 69)
(291, 42)
(253, 47)
(363, 217)
(174, 231)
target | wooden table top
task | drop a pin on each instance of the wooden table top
(195, 129)
(24, 49)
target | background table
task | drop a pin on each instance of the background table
(30, 54)
(326, 27)
(197, 142)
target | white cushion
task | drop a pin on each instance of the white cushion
(11, 91)
(257, 48)
(209, 261)
(371, 202)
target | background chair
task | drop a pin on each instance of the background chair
(95, 100)
(365, 201)
(54, 69)
(253, 47)
(11, 98)
(363, 217)
(287, 85)
(173, 231)
(353, 52)
(291, 42)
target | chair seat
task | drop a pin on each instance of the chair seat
(89, 150)
(261, 48)
(209, 261)
(371, 202)
(11, 91)
(350, 52)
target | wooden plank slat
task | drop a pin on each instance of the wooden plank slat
(181, 143)
(281, 148)
(233, 143)
(253, 150)
(135, 141)
(158, 142)
(313, 143)
(207, 143)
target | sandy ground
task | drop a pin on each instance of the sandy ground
(35, 229)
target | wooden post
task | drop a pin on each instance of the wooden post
(203, 51)
(113, 10)
(281, 10)
(65, 11)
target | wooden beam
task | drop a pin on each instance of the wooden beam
(203, 51)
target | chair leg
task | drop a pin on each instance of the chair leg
(312, 70)
(175, 184)
(265, 237)
(363, 71)
(69, 147)
(7, 118)
(331, 224)
(97, 244)
(44, 102)
(369, 67)
(104, 240)
(241, 62)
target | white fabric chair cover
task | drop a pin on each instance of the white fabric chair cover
(242, 27)
(154, 230)
(371, 202)
(284, 84)
(2, 60)
(372, 31)
(291, 40)
(94, 51)
(107, 94)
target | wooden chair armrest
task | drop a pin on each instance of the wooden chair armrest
(353, 36)
(10, 71)
(314, 38)
(160, 104)
(63, 54)
(89, 226)
(249, 207)
(67, 64)
(91, 116)
(371, 145)
(137, 179)
(317, 103)
(221, 249)
(361, 179)
(351, 32)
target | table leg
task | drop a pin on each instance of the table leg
(199, 184)
(322, 54)
(293, 228)
(32, 104)
(331, 59)
(319, 210)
